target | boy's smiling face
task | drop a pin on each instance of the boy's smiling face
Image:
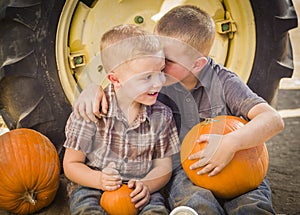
(140, 79)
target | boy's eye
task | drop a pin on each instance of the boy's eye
(148, 77)
(168, 60)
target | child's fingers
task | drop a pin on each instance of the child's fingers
(80, 111)
(139, 191)
(89, 113)
(96, 106)
(208, 168)
(111, 187)
(213, 143)
(140, 196)
(140, 204)
(104, 105)
(211, 170)
(194, 156)
(215, 171)
(131, 183)
(200, 163)
(138, 187)
(111, 182)
(203, 138)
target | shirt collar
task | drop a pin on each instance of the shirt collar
(205, 76)
(115, 111)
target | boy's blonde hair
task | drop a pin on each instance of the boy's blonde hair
(189, 24)
(126, 42)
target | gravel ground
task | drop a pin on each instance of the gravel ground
(284, 157)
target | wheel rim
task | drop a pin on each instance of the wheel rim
(81, 27)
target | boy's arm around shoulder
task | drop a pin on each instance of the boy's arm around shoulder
(89, 103)
(265, 122)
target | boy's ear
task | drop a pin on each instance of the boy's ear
(199, 64)
(113, 79)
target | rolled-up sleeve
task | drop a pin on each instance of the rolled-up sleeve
(79, 134)
(239, 97)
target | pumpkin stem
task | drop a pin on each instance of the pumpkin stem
(30, 197)
(208, 121)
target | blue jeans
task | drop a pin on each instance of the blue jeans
(181, 191)
(86, 201)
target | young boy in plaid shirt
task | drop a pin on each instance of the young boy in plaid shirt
(134, 141)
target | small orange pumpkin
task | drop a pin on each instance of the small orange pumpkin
(30, 169)
(118, 202)
(246, 170)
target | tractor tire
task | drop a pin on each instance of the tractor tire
(274, 55)
(32, 95)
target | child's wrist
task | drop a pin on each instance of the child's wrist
(98, 180)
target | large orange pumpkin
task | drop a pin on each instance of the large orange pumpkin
(29, 168)
(118, 202)
(246, 170)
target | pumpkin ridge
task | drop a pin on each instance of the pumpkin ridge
(4, 176)
(14, 180)
(22, 171)
(42, 179)
(28, 182)
(32, 154)
(46, 181)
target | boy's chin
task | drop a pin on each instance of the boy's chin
(148, 103)
(170, 81)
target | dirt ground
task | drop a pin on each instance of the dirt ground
(284, 149)
(284, 157)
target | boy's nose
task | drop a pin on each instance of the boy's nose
(159, 79)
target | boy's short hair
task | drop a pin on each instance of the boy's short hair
(189, 24)
(126, 42)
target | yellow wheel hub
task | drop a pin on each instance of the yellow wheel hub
(81, 27)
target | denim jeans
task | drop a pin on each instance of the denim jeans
(85, 201)
(181, 191)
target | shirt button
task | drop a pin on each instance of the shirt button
(187, 100)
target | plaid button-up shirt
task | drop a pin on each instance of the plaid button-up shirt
(132, 148)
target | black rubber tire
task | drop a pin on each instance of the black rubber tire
(31, 93)
(274, 55)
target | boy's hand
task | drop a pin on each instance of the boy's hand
(88, 103)
(111, 179)
(140, 196)
(217, 154)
